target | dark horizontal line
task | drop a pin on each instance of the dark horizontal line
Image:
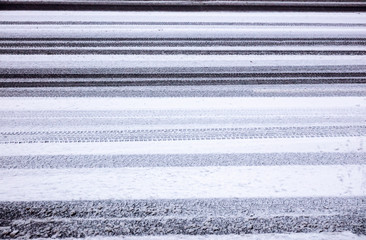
(189, 72)
(127, 208)
(177, 7)
(175, 42)
(24, 46)
(12, 210)
(302, 90)
(178, 83)
(349, 220)
(180, 160)
(146, 217)
(174, 52)
(183, 76)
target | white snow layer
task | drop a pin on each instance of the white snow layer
(184, 31)
(183, 182)
(205, 17)
(270, 145)
(188, 103)
(170, 61)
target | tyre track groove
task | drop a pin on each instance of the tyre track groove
(180, 134)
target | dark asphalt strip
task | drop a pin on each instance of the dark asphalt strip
(306, 90)
(187, 82)
(177, 42)
(180, 160)
(103, 6)
(190, 216)
(174, 52)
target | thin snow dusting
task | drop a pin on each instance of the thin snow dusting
(270, 145)
(183, 182)
(189, 103)
(157, 16)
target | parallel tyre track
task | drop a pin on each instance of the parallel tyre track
(181, 54)
(180, 134)
(181, 49)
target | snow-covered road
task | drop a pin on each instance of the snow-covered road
(180, 152)
(166, 123)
